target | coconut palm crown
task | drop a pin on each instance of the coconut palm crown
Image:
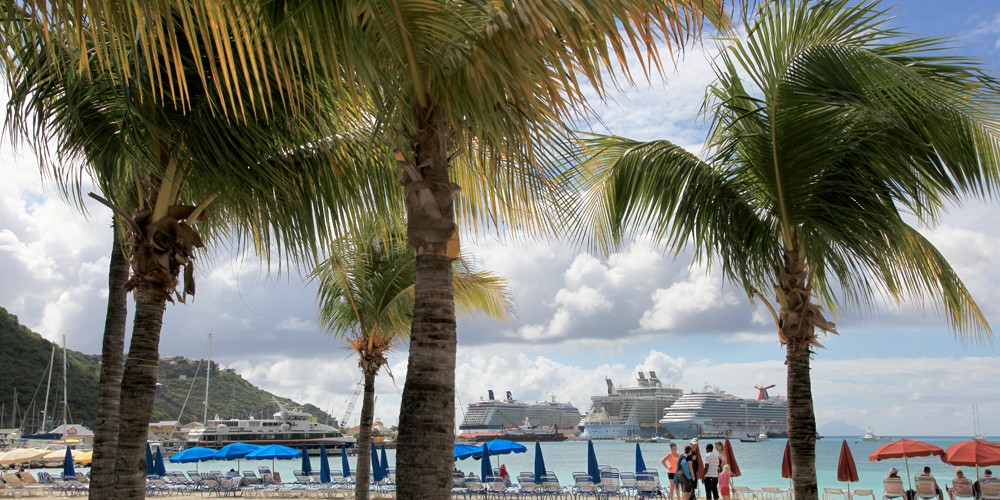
(831, 131)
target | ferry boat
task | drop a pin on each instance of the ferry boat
(528, 432)
(628, 412)
(487, 419)
(292, 428)
(715, 413)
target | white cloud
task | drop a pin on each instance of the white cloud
(294, 324)
(699, 295)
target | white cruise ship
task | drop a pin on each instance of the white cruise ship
(626, 412)
(489, 417)
(715, 413)
(288, 427)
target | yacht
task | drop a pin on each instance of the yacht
(870, 435)
(487, 419)
(628, 412)
(715, 413)
(529, 432)
(292, 428)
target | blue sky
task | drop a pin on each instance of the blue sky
(579, 317)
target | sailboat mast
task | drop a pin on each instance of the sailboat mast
(45, 409)
(208, 377)
(65, 387)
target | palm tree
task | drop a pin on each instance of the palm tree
(467, 97)
(365, 295)
(146, 158)
(827, 127)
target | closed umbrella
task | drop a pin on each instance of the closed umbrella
(905, 448)
(377, 473)
(150, 466)
(306, 466)
(159, 467)
(640, 464)
(385, 462)
(324, 466)
(786, 463)
(539, 463)
(486, 469)
(344, 464)
(593, 469)
(846, 469)
(68, 470)
(734, 469)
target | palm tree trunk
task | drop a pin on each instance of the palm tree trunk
(138, 392)
(363, 475)
(798, 332)
(427, 413)
(102, 485)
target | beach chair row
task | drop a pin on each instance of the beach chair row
(613, 484)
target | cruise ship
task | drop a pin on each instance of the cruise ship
(489, 417)
(715, 413)
(288, 427)
(628, 412)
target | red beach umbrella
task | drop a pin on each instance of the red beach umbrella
(786, 462)
(846, 469)
(905, 448)
(734, 469)
(973, 453)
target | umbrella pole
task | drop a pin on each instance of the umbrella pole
(909, 484)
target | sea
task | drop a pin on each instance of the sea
(760, 463)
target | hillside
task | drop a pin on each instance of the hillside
(24, 361)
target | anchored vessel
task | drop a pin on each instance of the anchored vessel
(713, 412)
(490, 418)
(288, 427)
(627, 412)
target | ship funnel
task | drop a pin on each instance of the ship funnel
(611, 386)
(509, 397)
(490, 392)
(654, 379)
(642, 380)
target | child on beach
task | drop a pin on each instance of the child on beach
(725, 482)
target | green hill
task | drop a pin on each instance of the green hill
(24, 362)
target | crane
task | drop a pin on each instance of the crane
(358, 387)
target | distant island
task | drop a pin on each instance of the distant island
(840, 428)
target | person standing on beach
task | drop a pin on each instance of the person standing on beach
(711, 473)
(670, 463)
(685, 475)
(697, 466)
(725, 482)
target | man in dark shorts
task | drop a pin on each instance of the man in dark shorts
(670, 463)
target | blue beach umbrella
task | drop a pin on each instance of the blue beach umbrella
(385, 461)
(503, 446)
(274, 452)
(196, 454)
(344, 464)
(307, 467)
(539, 463)
(150, 466)
(235, 451)
(324, 466)
(487, 468)
(68, 470)
(593, 470)
(463, 451)
(159, 466)
(377, 473)
(640, 464)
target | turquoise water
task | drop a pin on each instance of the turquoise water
(759, 462)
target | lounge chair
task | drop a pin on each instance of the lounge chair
(893, 488)
(829, 493)
(989, 488)
(629, 482)
(926, 487)
(743, 492)
(550, 485)
(962, 488)
(611, 485)
(583, 485)
(474, 487)
(526, 485)
(773, 492)
(862, 493)
(646, 485)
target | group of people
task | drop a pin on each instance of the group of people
(685, 469)
(959, 482)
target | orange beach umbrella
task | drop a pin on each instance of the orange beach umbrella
(973, 453)
(905, 448)
(846, 469)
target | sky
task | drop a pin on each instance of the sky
(579, 317)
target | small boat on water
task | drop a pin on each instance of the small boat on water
(761, 436)
(870, 435)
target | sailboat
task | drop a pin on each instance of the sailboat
(71, 435)
(978, 436)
